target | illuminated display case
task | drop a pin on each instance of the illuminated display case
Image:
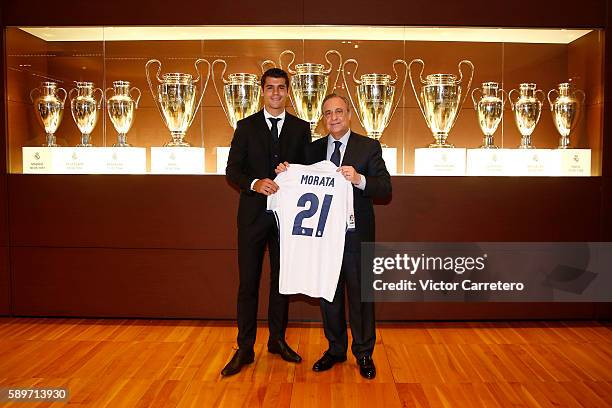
(103, 55)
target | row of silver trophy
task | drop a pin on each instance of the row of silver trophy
(439, 98)
(49, 106)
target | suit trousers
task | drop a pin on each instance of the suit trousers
(252, 241)
(361, 314)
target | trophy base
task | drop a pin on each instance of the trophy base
(122, 141)
(564, 143)
(50, 141)
(440, 141)
(177, 140)
(375, 135)
(487, 143)
(441, 146)
(177, 144)
(526, 142)
(85, 141)
(316, 136)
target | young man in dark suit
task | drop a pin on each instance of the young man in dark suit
(262, 141)
(359, 158)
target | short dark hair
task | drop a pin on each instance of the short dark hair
(335, 95)
(274, 73)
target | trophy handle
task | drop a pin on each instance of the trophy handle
(541, 102)
(105, 91)
(541, 93)
(401, 94)
(267, 62)
(504, 97)
(549, 98)
(289, 70)
(99, 105)
(581, 92)
(348, 90)
(512, 103)
(329, 70)
(70, 94)
(212, 68)
(66, 95)
(469, 84)
(198, 61)
(38, 90)
(416, 95)
(280, 61)
(137, 99)
(154, 94)
(474, 99)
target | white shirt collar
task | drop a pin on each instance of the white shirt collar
(344, 139)
(269, 115)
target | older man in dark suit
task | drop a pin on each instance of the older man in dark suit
(359, 159)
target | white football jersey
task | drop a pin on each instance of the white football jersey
(314, 209)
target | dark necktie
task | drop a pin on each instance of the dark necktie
(335, 157)
(274, 128)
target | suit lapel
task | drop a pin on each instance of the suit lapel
(285, 131)
(321, 152)
(350, 151)
(263, 130)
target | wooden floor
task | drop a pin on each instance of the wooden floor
(170, 363)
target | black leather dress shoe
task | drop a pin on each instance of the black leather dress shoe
(281, 347)
(327, 361)
(367, 369)
(241, 358)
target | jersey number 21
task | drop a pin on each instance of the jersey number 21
(311, 198)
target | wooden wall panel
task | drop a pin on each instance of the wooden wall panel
(523, 13)
(517, 13)
(490, 209)
(155, 12)
(193, 212)
(197, 284)
(5, 280)
(187, 212)
(124, 282)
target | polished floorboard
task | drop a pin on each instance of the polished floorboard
(176, 363)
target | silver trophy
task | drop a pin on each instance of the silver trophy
(49, 109)
(490, 109)
(566, 110)
(121, 108)
(375, 95)
(527, 110)
(85, 109)
(241, 93)
(309, 86)
(175, 97)
(440, 99)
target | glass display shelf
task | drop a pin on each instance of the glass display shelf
(442, 101)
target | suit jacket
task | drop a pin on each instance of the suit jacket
(251, 157)
(365, 155)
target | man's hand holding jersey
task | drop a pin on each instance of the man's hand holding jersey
(265, 186)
